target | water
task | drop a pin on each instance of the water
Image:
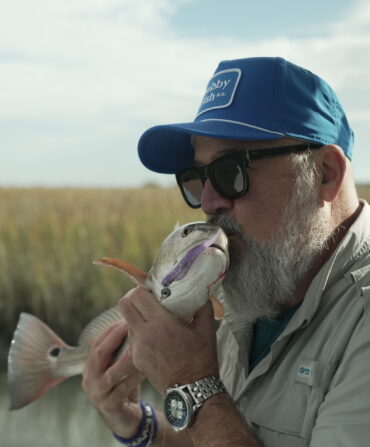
(62, 417)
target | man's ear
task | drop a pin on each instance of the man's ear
(332, 169)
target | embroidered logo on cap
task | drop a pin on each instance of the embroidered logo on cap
(220, 90)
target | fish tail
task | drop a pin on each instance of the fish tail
(32, 361)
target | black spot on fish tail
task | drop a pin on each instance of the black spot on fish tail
(54, 352)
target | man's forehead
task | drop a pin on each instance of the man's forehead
(208, 149)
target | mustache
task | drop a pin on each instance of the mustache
(228, 224)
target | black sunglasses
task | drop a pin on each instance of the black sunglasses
(228, 174)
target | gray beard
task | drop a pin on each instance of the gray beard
(263, 276)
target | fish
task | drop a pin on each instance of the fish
(188, 270)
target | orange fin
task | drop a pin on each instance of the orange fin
(135, 274)
(218, 308)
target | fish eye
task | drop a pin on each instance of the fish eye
(186, 231)
(165, 292)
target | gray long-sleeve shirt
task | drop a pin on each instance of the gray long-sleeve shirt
(313, 388)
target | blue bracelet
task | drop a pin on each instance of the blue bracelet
(154, 429)
(146, 431)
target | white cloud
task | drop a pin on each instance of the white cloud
(114, 67)
(115, 52)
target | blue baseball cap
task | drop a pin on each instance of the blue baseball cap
(259, 98)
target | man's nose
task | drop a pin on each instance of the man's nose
(212, 202)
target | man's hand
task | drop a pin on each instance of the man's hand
(113, 388)
(164, 348)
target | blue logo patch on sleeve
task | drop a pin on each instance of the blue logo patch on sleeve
(220, 90)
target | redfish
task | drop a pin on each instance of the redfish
(188, 270)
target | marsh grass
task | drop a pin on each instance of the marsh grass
(364, 192)
(49, 238)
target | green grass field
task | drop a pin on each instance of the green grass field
(49, 238)
(364, 192)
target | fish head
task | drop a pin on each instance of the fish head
(189, 267)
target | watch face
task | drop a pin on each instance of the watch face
(177, 409)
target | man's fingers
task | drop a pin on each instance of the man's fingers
(132, 315)
(140, 305)
(101, 337)
(104, 347)
(122, 370)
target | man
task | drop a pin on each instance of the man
(268, 159)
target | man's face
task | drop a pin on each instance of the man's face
(271, 181)
(276, 230)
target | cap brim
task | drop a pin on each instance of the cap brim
(167, 148)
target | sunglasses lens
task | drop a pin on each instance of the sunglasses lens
(228, 176)
(191, 187)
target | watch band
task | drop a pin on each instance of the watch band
(203, 389)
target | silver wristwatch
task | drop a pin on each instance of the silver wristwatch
(182, 402)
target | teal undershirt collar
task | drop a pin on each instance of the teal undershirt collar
(265, 332)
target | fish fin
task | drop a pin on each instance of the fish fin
(135, 274)
(218, 308)
(99, 324)
(30, 363)
(218, 311)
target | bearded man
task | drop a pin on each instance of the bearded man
(268, 158)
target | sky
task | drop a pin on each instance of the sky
(81, 80)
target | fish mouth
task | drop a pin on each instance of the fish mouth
(218, 247)
(200, 242)
(182, 266)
